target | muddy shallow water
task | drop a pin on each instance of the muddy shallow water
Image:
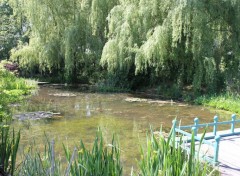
(80, 114)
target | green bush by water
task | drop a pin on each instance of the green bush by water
(229, 102)
(12, 89)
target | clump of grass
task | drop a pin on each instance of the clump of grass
(167, 157)
(229, 102)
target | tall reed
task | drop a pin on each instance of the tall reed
(101, 160)
(165, 156)
(161, 157)
(8, 150)
(36, 163)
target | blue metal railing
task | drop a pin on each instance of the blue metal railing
(216, 135)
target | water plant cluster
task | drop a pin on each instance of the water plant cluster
(160, 157)
(8, 150)
(102, 159)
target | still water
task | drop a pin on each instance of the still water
(82, 113)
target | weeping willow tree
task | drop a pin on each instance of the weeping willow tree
(185, 41)
(66, 36)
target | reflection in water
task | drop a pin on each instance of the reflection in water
(77, 106)
(129, 120)
(88, 114)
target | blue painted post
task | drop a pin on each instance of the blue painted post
(174, 122)
(194, 130)
(216, 149)
(233, 123)
(196, 122)
(215, 125)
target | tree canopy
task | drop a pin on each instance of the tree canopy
(65, 38)
(185, 42)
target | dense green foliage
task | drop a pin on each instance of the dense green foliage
(103, 159)
(66, 40)
(140, 43)
(186, 42)
(229, 102)
(8, 150)
(12, 89)
(161, 158)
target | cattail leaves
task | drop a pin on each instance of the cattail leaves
(9, 143)
(161, 156)
(166, 156)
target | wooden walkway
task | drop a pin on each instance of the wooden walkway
(220, 148)
(228, 156)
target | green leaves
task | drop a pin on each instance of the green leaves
(12, 89)
(166, 156)
(8, 149)
(184, 41)
(103, 159)
(66, 38)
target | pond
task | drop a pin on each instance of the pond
(80, 114)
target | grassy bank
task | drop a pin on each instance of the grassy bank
(228, 102)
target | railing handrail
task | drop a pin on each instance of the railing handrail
(197, 138)
(208, 124)
(215, 124)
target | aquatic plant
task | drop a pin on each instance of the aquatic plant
(35, 162)
(162, 158)
(101, 160)
(8, 150)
